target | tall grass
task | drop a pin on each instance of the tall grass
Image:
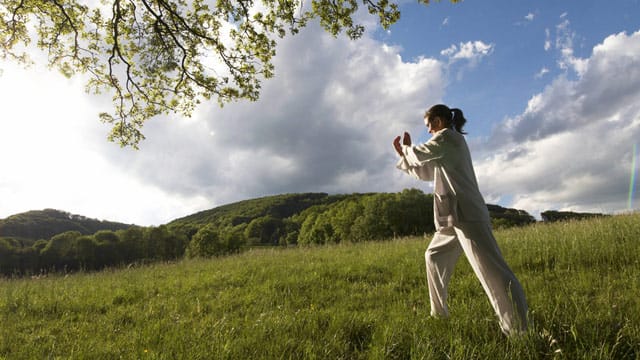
(359, 301)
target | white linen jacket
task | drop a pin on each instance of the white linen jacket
(445, 160)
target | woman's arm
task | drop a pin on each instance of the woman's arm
(417, 160)
(419, 155)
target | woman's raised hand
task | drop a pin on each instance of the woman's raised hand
(406, 140)
(397, 146)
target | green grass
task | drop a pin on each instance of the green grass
(359, 301)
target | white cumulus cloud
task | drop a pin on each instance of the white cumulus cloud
(325, 122)
(572, 147)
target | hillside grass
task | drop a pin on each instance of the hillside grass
(351, 301)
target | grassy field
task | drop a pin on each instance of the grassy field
(357, 301)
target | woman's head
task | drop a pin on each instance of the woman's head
(440, 116)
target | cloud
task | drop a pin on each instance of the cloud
(465, 56)
(542, 73)
(530, 16)
(547, 40)
(324, 123)
(564, 43)
(51, 140)
(572, 147)
(471, 51)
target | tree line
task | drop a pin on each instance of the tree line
(71, 250)
(354, 218)
(281, 220)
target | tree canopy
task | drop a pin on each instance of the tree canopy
(166, 56)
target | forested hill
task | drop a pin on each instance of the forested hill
(38, 241)
(44, 224)
(288, 205)
(321, 218)
(276, 206)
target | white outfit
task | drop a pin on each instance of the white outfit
(462, 225)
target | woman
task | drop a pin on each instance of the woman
(461, 219)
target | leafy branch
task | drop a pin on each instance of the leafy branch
(166, 56)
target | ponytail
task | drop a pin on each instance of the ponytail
(452, 117)
(458, 120)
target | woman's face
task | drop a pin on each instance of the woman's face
(434, 124)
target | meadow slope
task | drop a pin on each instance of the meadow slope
(349, 301)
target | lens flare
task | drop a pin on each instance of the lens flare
(632, 178)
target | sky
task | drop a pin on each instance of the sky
(550, 89)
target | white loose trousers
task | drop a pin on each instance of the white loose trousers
(476, 240)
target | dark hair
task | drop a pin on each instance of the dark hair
(451, 117)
